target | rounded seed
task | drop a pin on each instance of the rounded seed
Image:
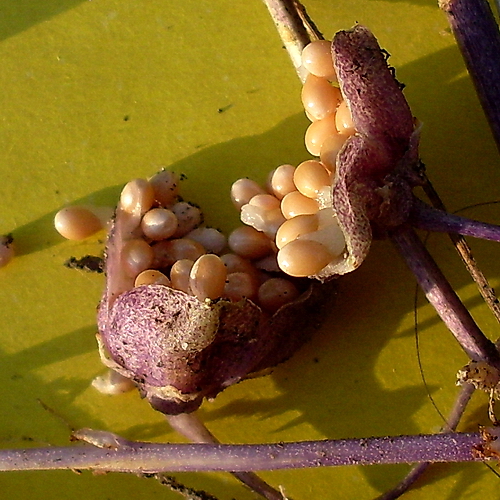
(179, 275)
(240, 285)
(318, 132)
(212, 239)
(243, 190)
(137, 256)
(76, 223)
(159, 224)
(302, 258)
(343, 120)
(6, 250)
(319, 97)
(207, 277)
(310, 177)
(265, 201)
(151, 277)
(296, 203)
(166, 252)
(330, 149)
(266, 221)
(282, 181)
(188, 216)
(275, 293)
(317, 59)
(166, 187)
(235, 264)
(295, 227)
(249, 243)
(137, 197)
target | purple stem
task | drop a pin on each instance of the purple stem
(444, 299)
(191, 427)
(432, 219)
(478, 38)
(140, 457)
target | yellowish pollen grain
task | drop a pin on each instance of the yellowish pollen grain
(151, 277)
(166, 187)
(317, 59)
(159, 224)
(343, 120)
(330, 150)
(243, 190)
(179, 275)
(310, 177)
(249, 243)
(319, 97)
(295, 227)
(282, 181)
(302, 258)
(167, 252)
(275, 293)
(296, 203)
(240, 285)
(137, 256)
(318, 132)
(76, 223)
(207, 277)
(137, 197)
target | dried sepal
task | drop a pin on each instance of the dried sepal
(375, 168)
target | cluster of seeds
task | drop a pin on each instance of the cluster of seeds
(167, 244)
(295, 210)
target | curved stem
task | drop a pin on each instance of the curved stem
(432, 219)
(444, 299)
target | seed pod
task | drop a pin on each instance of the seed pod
(178, 349)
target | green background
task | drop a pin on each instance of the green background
(95, 93)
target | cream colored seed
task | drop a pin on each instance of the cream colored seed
(295, 227)
(6, 250)
(319, 97)
(137, 256)
(159, 224)
(179, 275)
(212, 239)
(265, 201)
(266, 221)
(137, 197)
(243, 190)
(235, 264)
(188, 216)
(76, 223)
(317, 59)
(302, 258)
(282, 181)
(296, 203)
(249, 243)
(240, 285)
(275, 293)
(168, 251)
(318, 132)
(310, 177)
(207, 277)
(343, 120)
(330, 150)
(151, 277)
(166, 187)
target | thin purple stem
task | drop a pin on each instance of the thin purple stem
(444, 299)
(432, 219)
(140, 457)
(478, 38)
